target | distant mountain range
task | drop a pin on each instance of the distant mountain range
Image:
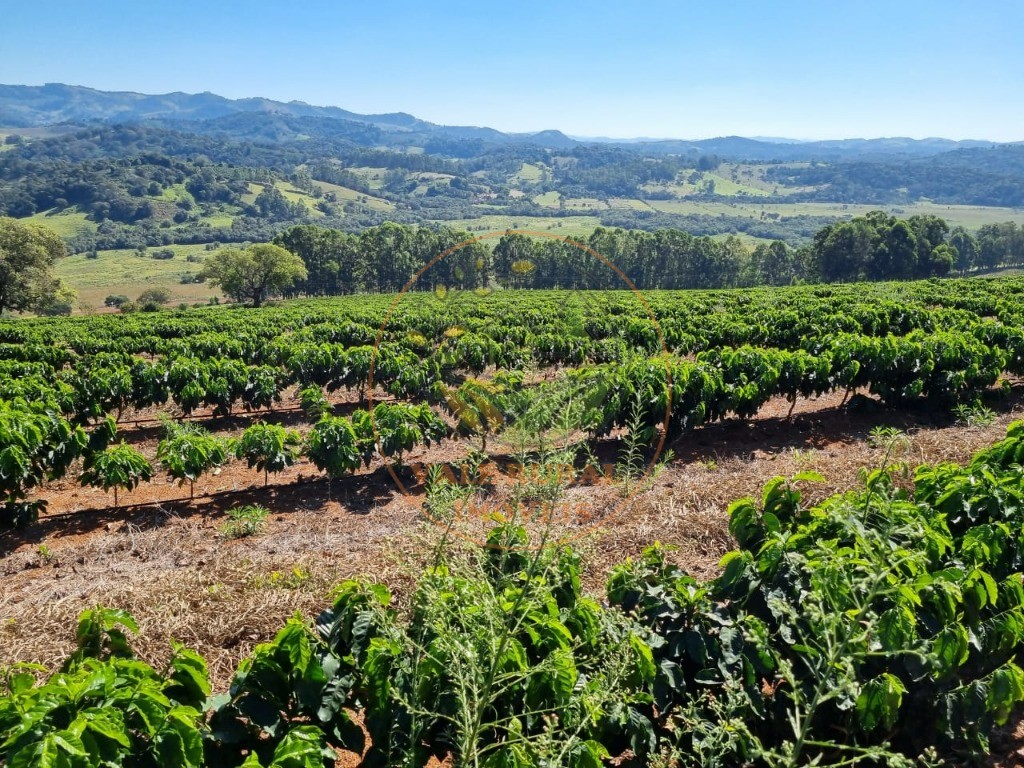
(208, 113)
(124, 170)
(53, 103)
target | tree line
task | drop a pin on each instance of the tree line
(317, 261)
(872, 247)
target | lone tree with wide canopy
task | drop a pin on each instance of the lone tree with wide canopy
(28, 253)
(254, 274)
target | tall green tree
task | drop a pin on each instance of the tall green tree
(931, 232)
(992, 246)
(28, 254)
(771, 263)
(388, 261)
(943, 257)
(330, 257)
(254, 274)
(510, 249)
(966, 249)
(843, 251)
(896, 256)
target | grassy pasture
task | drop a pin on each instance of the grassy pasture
(431, 176)
(548, 199)
(731, 180)
(219, 219)
(967, 216)
(754, 176)
(344, 195)
(67, 223)
(254, 190)
(629, 203)
(124, 272)
(173, 194)
(568, 226)
(374, 177)
(585, 204)
(528, 173)
(725, 185)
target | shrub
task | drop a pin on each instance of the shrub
(118, 466)
(269, 448)
(244, 521)
(188, 451)
(106, 707)
(314, 404)
(158, 296)
(115, 300)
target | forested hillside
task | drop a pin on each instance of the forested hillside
(199, 169)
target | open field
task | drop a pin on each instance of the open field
(344, 195)
(629, 203)
(528, 173)
(752, 177)
(565, 225)
(586, 204)
(725, 185)
(294, 195)
(173, 194)
(548, 199)
(124, 272)
(374, 177)
(36, 131)
(64, 223)
(970, 217)
(734, 181)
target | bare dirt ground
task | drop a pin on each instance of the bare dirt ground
(161, 558)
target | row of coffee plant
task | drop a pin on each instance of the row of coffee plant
(881, 627)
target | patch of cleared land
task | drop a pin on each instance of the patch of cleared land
(528, 173)
(548, 199)
(565, 225)
(67, 223)
(345, 195)
(125, 272)
(968, 216)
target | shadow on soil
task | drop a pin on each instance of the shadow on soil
(360, 494)
(357, 494)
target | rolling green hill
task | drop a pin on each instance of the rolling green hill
(201, 169)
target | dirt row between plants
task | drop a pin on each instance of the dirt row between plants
(162, 558)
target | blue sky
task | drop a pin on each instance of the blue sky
(665, 69)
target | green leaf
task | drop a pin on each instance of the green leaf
(950, 649)
(69, 743)
(879, 702)
(302, 747)
(103, 724)
(645, 666)
(1005, 691)
(896, 628)
(513, 755)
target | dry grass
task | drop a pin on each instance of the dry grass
(180, 581)
(222, 597)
